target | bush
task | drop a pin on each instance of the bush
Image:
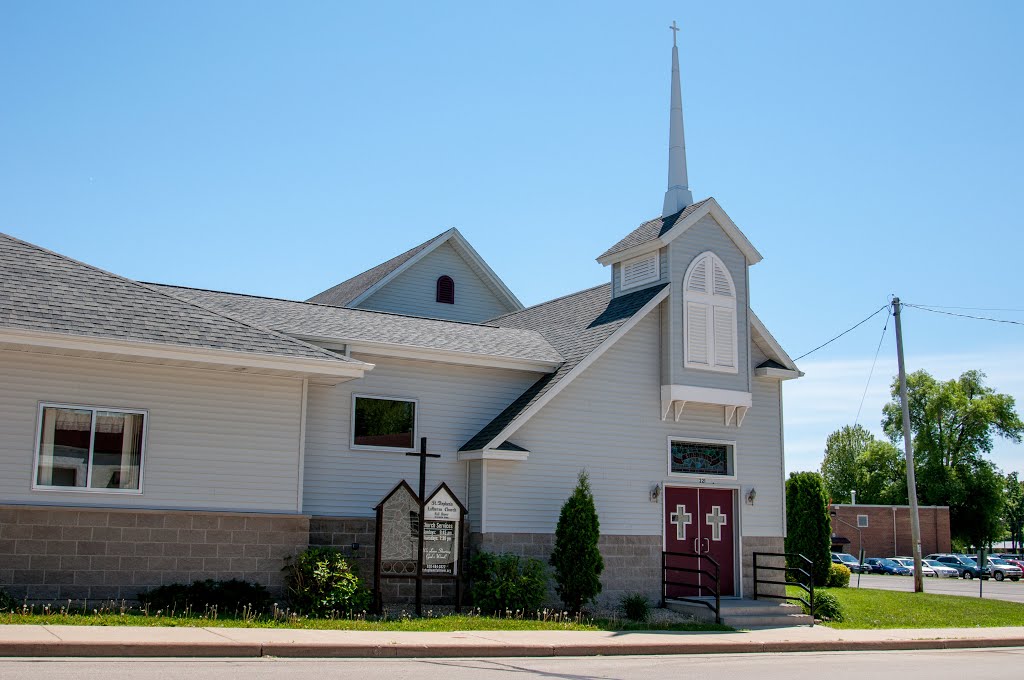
(576, 559)
(838, 576)
(808, 528)
(7, 603)
(507, 582)
(826, 607)
(636, 607)
(226, 596)
(321, 582)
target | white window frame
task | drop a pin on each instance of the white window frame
(731, 443)
(384, 449)
(92, 437)
(712, 301)
(865, 524)
(656, 255)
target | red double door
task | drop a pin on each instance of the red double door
(700, 521)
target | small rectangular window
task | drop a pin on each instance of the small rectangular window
(862, 521)
(90, 448)
(700, 458)
(385, 423)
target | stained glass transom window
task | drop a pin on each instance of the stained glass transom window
(697, 458)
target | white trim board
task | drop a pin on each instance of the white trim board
(536, 406)
(151, 350)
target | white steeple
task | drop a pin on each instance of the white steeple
(678, 195)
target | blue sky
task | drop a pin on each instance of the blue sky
(866, 149)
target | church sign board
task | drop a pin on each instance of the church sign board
(401, 539)
(442, 529)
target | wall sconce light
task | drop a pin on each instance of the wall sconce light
(655, 494)
(354, 547)
(751, 495)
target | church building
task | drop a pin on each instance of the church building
(152, 434)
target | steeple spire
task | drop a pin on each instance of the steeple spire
(678, 195)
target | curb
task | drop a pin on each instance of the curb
(364, 651)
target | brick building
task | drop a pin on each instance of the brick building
(884, 530)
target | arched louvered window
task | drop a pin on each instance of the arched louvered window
(709, 315)
(446, 290)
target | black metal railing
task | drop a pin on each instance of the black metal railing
(712, 574)
(804, 581)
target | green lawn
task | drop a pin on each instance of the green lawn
(866, 608)
(427, 623)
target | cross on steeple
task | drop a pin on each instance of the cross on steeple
(675, 30)
(680, 518)
(678, 195)
(716, 520)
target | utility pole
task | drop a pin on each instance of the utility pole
(908, 447)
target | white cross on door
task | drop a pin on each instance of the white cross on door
(716, 520)
(681, 518)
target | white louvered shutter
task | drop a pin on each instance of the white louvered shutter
(641, 270)
(697, 328)
(710, 305)
(725, 337)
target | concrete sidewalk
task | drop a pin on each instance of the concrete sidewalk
(99, 641)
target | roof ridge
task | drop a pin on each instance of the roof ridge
(320, 350)
(483, 324)
(402, 254)
(548, 302)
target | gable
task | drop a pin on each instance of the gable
(414, 290)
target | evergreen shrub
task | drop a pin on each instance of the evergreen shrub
(320, 581)
(507, 582)
(826, 607)
(808, 529)
(226, 596)
(838, 576)
(636, 607)
(577, 561)
(7, 603)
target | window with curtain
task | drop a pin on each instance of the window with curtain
(709, 316)
(90, 448)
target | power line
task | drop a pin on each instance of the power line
(871, 373)
(976, 309)
(871, 316)
(964, 316)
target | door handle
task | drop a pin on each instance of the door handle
(708, 549)
(696, 545)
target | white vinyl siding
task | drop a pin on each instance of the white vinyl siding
(453, 404)
(710, 317)
(640, 270)
(608, 422)
(414, 291)
(215, 440)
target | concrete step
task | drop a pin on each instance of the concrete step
(746, 613)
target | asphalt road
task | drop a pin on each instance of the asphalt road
(996, 590)
(934, 665)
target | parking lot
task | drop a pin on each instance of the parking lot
(1005, 590)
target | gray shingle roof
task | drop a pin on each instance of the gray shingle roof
(43, 291)
(652, 229)
(575, 325)
(359, 325)
(348, 290)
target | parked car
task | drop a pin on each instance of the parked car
(850, 562)
(1001, 569)
(1016, 561)
(967, 567)
(908, 562)
(882, 565)
(941, 570)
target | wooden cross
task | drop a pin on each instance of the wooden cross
(422, 455)
(716, 520)
(674, 29)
